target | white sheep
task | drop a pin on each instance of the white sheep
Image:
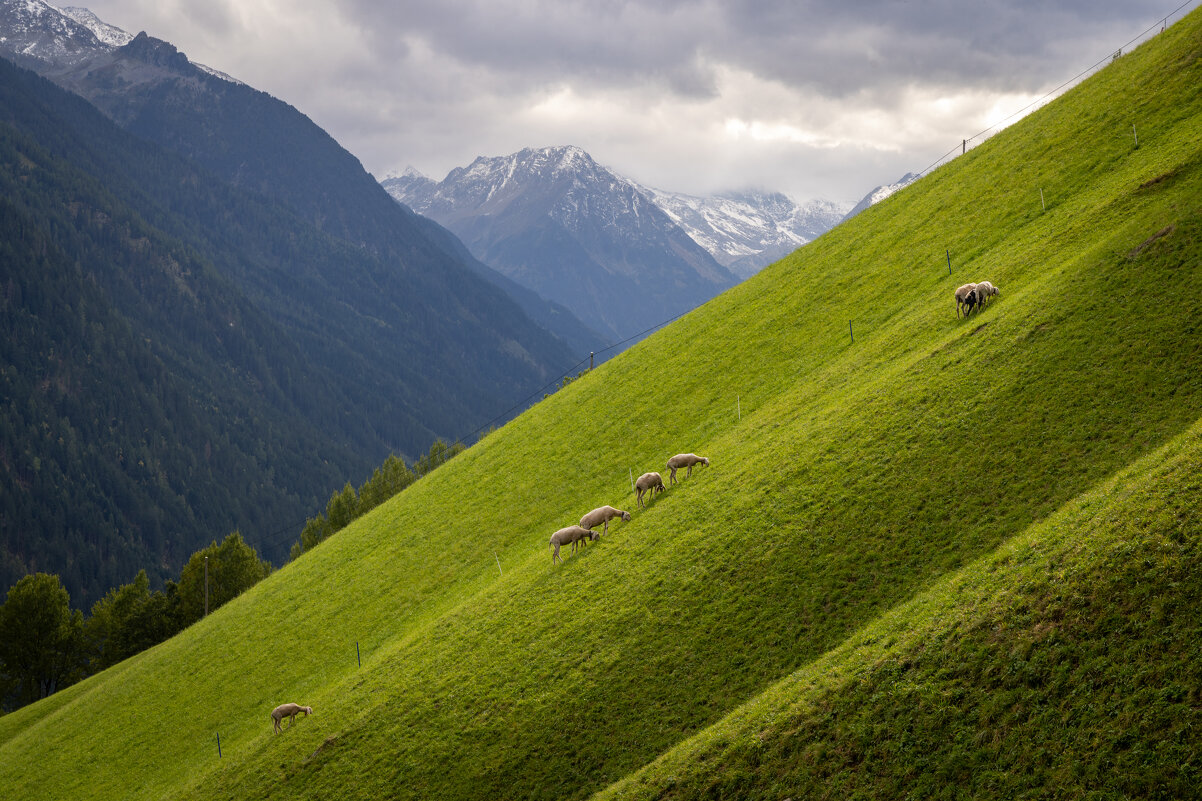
(571, 534)
(966, 295)
(603, 514)
(685, 460)
(986, 290)
(289, 711)
(648, 481)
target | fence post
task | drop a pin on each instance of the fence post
(358, 658)
(850, 331)
(219, 745)
(590, 359)
(206, 586)
(949, 261)
(1045, 205)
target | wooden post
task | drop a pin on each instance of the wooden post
(206, 586)
(1045, 205)
(949, 261)
(219, 745)
(358, 658)
(963, 146)
(850, 331)
(590, 359)
(1136, 135)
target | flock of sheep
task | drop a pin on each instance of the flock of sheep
(647, 484)
(573, 535)
(974, 295)
(967, 297)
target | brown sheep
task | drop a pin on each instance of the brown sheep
(571, 534)
(603, 514)
(289, 711)
(685, 460)
(965, 296)
(652, 482)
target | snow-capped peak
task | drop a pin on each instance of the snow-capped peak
(110, 35)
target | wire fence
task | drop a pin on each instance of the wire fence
(966, 144)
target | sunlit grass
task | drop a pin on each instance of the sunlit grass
(846, 480)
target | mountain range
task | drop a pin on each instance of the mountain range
(747, 231)
(557, 222)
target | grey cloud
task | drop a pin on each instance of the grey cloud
(833, 48)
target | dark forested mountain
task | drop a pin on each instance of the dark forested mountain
(216, 337)
(557, 222)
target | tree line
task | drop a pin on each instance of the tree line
(387, 480)
(45, 645)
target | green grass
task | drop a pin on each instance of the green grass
(869, 491)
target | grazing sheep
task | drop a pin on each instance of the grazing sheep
(289, 711)
(986, 290)
(603, 514)
(648, 481)
(685, 460)
(965, 296)
(572, 534)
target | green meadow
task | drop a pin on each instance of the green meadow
(950, 558)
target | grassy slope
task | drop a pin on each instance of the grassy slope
(857, 476)
(1065, 664)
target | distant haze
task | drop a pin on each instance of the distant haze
(819, 99)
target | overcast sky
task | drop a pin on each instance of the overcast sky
(816, 98)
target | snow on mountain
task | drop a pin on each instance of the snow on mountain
(882, 192)
(110, 35)
(747, 231)
(35, 31)
(562, 225)
(743, 232)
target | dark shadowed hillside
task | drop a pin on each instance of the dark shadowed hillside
(187, 358)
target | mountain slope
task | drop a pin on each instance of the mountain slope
(1066, 663)
(847, 480)
(562, 225)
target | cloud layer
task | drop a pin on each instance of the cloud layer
(813, 97)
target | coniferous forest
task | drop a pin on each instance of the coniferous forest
(182, 358)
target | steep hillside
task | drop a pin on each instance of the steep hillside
(859, 491)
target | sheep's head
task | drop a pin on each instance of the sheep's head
(705, 461)
(626, 516)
